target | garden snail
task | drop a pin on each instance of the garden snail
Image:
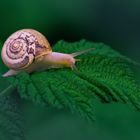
(28, 50)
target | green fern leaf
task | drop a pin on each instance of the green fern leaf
(103, 73)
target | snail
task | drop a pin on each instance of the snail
(28, 50)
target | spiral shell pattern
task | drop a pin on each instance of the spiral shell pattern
(22, 48)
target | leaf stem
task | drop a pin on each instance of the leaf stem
(7, 90)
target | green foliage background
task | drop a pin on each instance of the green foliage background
(113, 22)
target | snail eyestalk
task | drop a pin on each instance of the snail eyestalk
(81, 52)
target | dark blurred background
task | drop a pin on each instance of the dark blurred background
(114, 22)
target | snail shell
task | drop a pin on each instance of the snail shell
(23, 47)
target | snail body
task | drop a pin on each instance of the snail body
(28, 50)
